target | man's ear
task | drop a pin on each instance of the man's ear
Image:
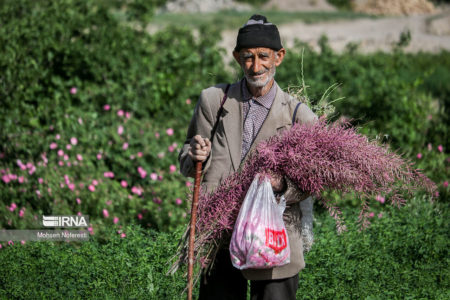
(279, 56)
(236, 57)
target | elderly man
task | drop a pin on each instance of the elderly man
(228, 122)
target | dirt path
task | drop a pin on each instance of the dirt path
(429, 33)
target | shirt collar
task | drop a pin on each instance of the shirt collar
(265, 100)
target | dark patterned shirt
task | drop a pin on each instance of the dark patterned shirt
(255, 111)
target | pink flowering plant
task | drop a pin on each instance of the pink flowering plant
(95, 176)
(316, 158)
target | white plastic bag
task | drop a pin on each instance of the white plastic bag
(259, 239)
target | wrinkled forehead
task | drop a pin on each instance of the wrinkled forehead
(256, 51)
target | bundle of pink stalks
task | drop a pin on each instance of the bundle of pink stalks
(316, 158)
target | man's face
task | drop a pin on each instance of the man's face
(259, 64)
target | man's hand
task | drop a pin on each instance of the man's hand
(278, 183)
(200, 148)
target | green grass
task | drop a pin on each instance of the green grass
(233, 20)
(402, 255)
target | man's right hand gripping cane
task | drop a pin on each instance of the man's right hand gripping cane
(200, 148)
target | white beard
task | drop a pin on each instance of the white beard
(261, 82)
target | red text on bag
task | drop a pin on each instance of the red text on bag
(276, 239)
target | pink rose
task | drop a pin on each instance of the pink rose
(142, 172)
(169, 131)
(125, 146)
(108, 174)
(13, 206)
(380, 199)
(115, 220)
(73, 90)
(53, 145)
(73, 141)
(178, 201)
(124, 184)
(120, 113)
(120, 130)
(440, 148)
(105, 213)
(136, 190)
(106, 107)
(6, 178)
(419, 155)
(154, 176)
(91, 188)
(21, 165)
(172, 168)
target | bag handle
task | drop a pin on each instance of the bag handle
(219, 113)
(295, 113)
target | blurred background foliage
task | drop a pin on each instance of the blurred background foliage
(93, 112)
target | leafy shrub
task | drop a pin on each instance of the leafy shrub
(384, 93)
(113, 100)
(342, 4)
(254, 2)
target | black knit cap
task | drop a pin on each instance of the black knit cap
(258, 32)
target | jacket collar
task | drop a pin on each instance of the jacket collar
(233, 119)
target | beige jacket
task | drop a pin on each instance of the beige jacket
(226, 153)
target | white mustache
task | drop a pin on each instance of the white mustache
(257, 73)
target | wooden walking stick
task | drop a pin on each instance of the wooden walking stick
(198, 174)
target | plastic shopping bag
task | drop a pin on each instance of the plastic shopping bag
(259, 239)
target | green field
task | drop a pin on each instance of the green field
(93, 113)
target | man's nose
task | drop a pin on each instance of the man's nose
(256, 67)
